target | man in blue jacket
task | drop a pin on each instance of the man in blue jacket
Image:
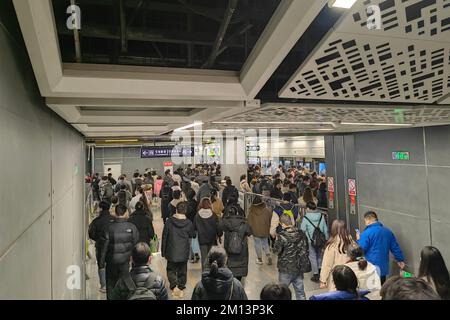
(377, 241)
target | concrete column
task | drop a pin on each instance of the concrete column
(234, 159)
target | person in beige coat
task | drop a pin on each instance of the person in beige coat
(259, 218)
(335, 253)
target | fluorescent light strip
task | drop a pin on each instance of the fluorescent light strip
(377, 124)
(119, 141)
(189, 126)
(344, 4)
(271, 122)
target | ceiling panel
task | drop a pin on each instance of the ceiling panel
(408, 60)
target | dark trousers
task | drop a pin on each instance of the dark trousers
(177, 274)
(113, 273)
(204, 250)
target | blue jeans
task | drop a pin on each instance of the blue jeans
(297, 282)
(260, 245)
(315, 258)
(195, 247)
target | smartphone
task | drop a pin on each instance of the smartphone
(357, 231)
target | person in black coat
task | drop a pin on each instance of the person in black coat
(119, 239)
(143, 223)
(191, 213)
(276, 190)
(142, 276)
(175, 247)
(208, 227)
(229, 191)
(217, 281)
(322, 196)
(234, 224)
(166, 198)
(96, 229)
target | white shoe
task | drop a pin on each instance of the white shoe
(176, 292)
(180, 293)
(259, 261)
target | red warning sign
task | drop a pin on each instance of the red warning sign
(330, 184)
(352, 187)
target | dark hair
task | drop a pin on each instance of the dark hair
(285, 219)
(356, 253)
(345, 279)
(287, 197)
(177, 194)
(192, 178)
(322, 186)
(141, 253)
(243, 177)
(306, 178)
(292, 186)
(432, 267)
(140, 190)
(104, 205)
(308, 195)
(120, 210)
(136, 175)
(370, 215)
(191, 194)
(104, 178)
(399, 288)
(139, 205)
(231, 211)
(276, 291)
(339, 232)
(205, 203)
(217, 258)
(311, 205)
(123, 187)
(277, 182)
(182, 208)
(114, 199)
(257, 200)
(228, 182)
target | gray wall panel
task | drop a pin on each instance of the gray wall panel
(29, 133)
(378, 146)
(25, 270)
(439, 179)
(399, 188)
(438, 145)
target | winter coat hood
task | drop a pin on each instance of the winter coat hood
(175, 202)
(180, 221)
(205, 213)
(218, 285)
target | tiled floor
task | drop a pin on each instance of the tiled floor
(258, 277)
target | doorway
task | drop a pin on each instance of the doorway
(114, 168)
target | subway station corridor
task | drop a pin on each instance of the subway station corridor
(318, 128)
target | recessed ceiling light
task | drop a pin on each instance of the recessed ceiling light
(344, 4)
(189, 126)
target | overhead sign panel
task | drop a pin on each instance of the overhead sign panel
(166, 151)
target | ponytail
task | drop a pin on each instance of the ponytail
(217, 258)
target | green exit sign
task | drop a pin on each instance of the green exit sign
(401, 155)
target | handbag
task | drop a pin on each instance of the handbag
(154, 244)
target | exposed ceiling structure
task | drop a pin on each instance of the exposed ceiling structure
(143, 68)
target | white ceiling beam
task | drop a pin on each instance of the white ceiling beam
(289, 22)
(37, 24)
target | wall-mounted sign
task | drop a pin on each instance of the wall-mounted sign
(330, 181)
(253, 148)
(352, 194)
(401, 155)
(166, 151)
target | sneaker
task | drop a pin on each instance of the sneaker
(197, 258)
(176, 292)
(269, 260)
(102, 290)
(180, 293)
(259, 261)
(315, 278)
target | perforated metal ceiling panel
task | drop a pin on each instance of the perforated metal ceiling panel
(408, 60)
(332, 116)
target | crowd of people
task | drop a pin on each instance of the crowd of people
(205, 222)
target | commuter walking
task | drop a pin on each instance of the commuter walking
(236, 231)
(291, 246)
(322, 200)
(245, 187)
(218, 282)
(377, 241)
(175, 247)
(204, 191)
(346, 286)
(208, 228)
(367, 274)
(434, 271)
(143, 223)
(192, 208)
(315, 228)
(307, 196)
(335, 253)
(106, 189)
(96, 230)
(166, 198)
(276, 190)
(228, 192)
(118, 241)
(177, 198)
(259, 218)
(194, 185)
(141, 283)
(275, 291)
(216, 203)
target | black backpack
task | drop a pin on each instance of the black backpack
(318, 239)
(165, 193)
(304, 263)
(235, 242)
(139, 293)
